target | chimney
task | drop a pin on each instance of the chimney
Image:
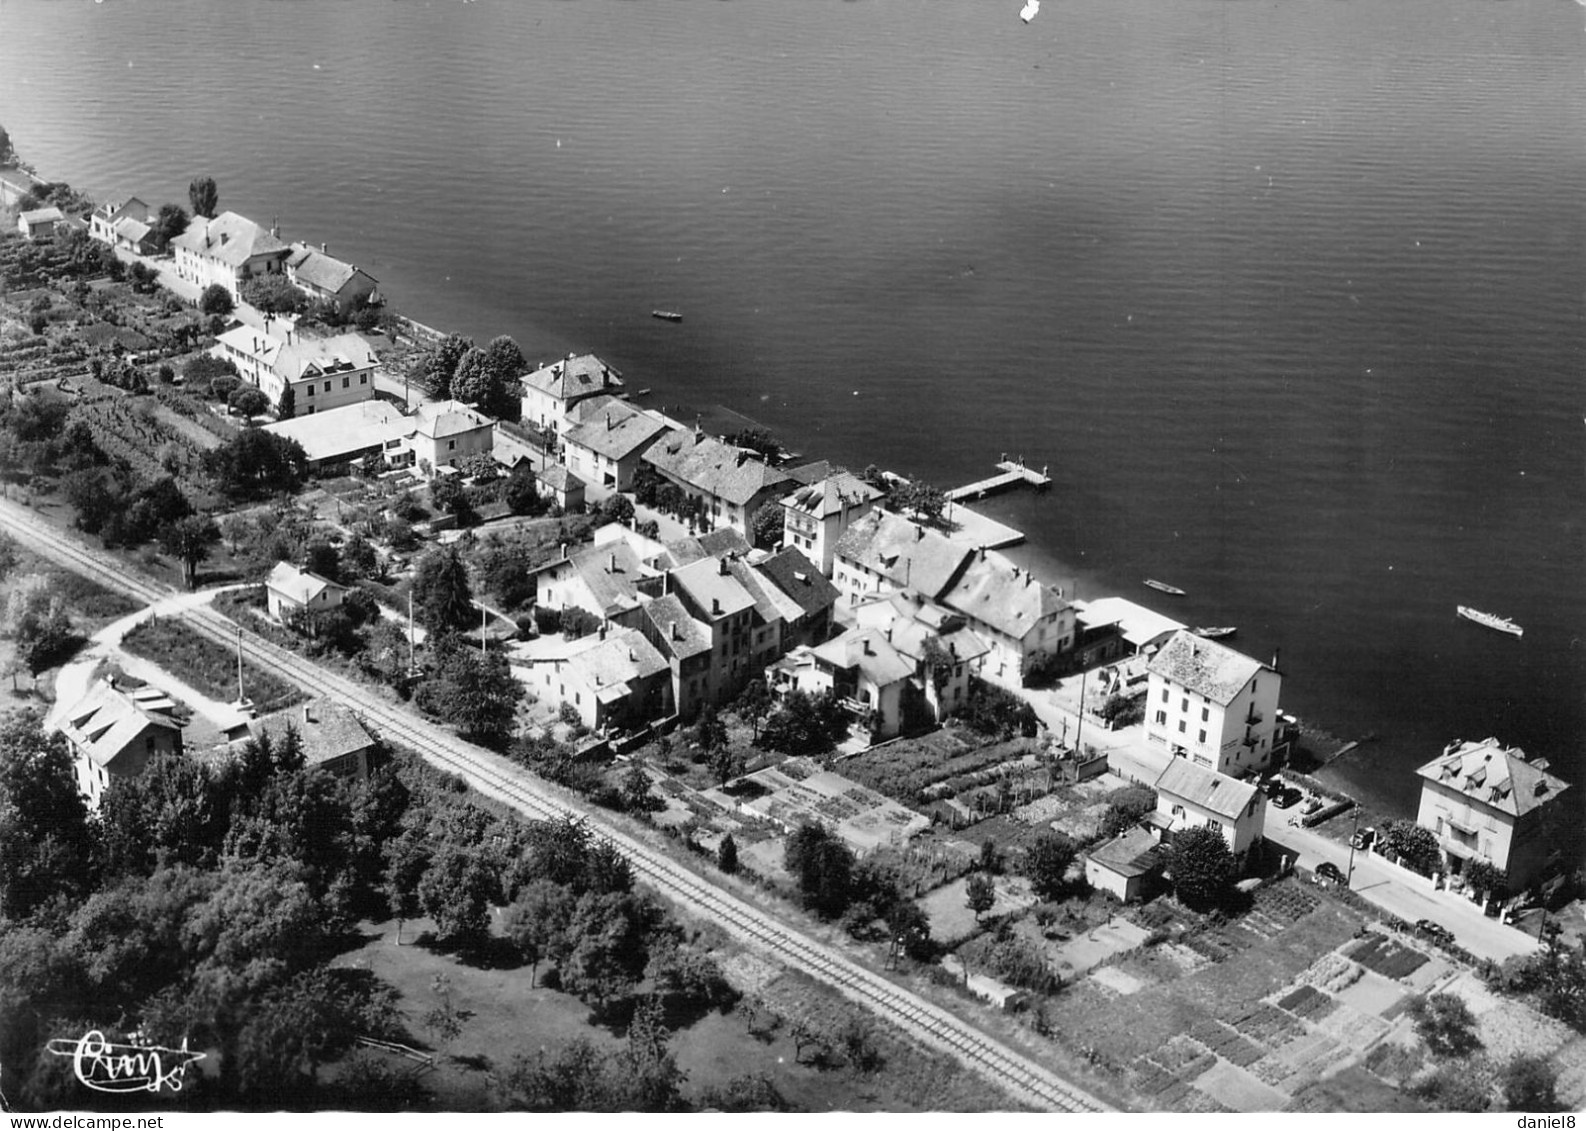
(324, 249)
(715, 606)
(919, 533)
(308, 712)
(721, 566)
(612, 563)
(982, 550)
(868, 652)
(608, 422)
(1276, 652)
(564, 551)
(672, 630)
(603, 630)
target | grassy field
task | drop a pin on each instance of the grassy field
(208, 667)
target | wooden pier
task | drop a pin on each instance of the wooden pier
(1013, 472)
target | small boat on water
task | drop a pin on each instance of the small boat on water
(1489, 620)
(666, 315)
(1164, 587)
(1218, 633)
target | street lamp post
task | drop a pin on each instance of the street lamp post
(1353, 840)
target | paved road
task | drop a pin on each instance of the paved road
(1384, 885)
(495, 777)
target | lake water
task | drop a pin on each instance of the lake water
(1287, 295)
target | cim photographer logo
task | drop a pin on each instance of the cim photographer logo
(108, 1066)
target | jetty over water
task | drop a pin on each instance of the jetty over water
(1013, 472)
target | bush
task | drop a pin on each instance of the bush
(216, 300)
(1415, 846)
(247, 401)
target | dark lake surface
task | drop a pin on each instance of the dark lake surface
(1287, 295)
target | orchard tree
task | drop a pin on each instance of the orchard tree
(824, 868)
(442, 596)
(1046, 863)
(204, 196)
(1446, 1024)
(727, 855)
(189, 540)
(979, 893)
(753, 705)
(456, 891)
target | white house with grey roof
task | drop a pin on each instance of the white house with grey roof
(323, 373)
(229, 250)
(1212, 705)
(290, 590)
(603, 446)
(113, 733)
(40, 223)
(446, 433)
(816, 515)
(1488, 802)
(333, 737)
(1189, 796)
(320, 275)
(732, 482)
(551, 391)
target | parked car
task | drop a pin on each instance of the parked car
(1434, 931)
(1327, 870)
(1363, 838)
(1272, 786)
(1287, 798)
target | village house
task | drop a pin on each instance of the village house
(883, 552)
(685, 643)
(718, 601)
(551, 391)
(1212, 705)
(1126, 867)
(346, 434)
(102, 221)
(290, 590)
(333, 738)
(602, 579)
(324, 373)
(113, 734)
(867, 675)
(1025, 621)
(229, 250)
(319, 275)
(1487, 802)
(945, 651)
(732, 482)
(1140, 630)
(605, 438)
(561, 486)
(1189, 796)
(446, 434)
(614, 679)
(817, 515)
(40, 223)
(796, 577)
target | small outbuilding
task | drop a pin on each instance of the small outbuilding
(1128, 866)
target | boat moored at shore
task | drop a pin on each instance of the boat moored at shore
(1164, 587)
(1220, 632)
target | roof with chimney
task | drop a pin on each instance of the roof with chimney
(298, 584)
(440, 419)
(714, 467)
(301, 359)
(574, 377)
(910, 621)
(1207, 789)
(677, 632)
(229, 238)
(711, 588)
(1491, 775)
(794, 574)
(317, 268)
(869, 653)
(1002, 595)
(612, 428)
(904, 552)
(558, 478)
(813, 472)
(131, 229)
(115, 210)
(718, 543)
(326, 728)
(621, 655)
(1129, 854)
(107, 721)
(610, 571)
(832, 495)
(1204, 666)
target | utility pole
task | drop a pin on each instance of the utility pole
(241, 699)
(1350, 875)
(1079, 727)
(410, 632)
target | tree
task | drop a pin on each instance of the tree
(1486, 878)
(753, 704)
(204, 196)
(757, 440)
(537, 922)
(522, 492)
(489, 377)
(36, 618)
(607, 952)
(1201, 867)
(804, 724)
(979, 893)
(274, 294)
(823, 866)
(1046, 863)
(765, 527)
(46, 846)
(216, 300)
(456, 891)
(256, 462)
(286, 407)
(1446, 1024)
(440, 364)
(407, 859)
(442, 596)
(1416, 846)
(1126, 809)
(476, 692)
(359, 558)
(189, 541)
(199, 370)
(322, 557)
(248, 401)
(636, 789)
(727, 855)
(1530, 1083)
(920, 499)
(170, 222)
(143, 277)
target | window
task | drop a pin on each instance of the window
(451, 445)
(1206, 714)
(311, 390)
(1181, 726)
(363, 378)
(1184, 706)
(346, 382)
(1164, 695)
(1161, 716)
(1203, 736)
(327, 386)
(1178, 810)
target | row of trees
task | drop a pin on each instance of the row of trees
(486, 376)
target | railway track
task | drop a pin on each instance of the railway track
(498, 778)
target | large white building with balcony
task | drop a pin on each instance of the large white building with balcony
(1213, 705)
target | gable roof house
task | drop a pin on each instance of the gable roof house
(324, 373)
(102, 221)
(333, 737)
(1212, 705)
(229, 250)
(1189, 796)
(815, 597)
(868, 676)
(615, 679)
(551, 391)
(604, 580)
(291, 590)
(320, 275)
(817, 515)
(732, 482)
(40, 223)
(883, 552)
(686, 645)
(938, 641)
(605, 443)
(1024, 620)
(1488, 802)
(345, 434)
(561, 486)
(446, 434)
(114, 733)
